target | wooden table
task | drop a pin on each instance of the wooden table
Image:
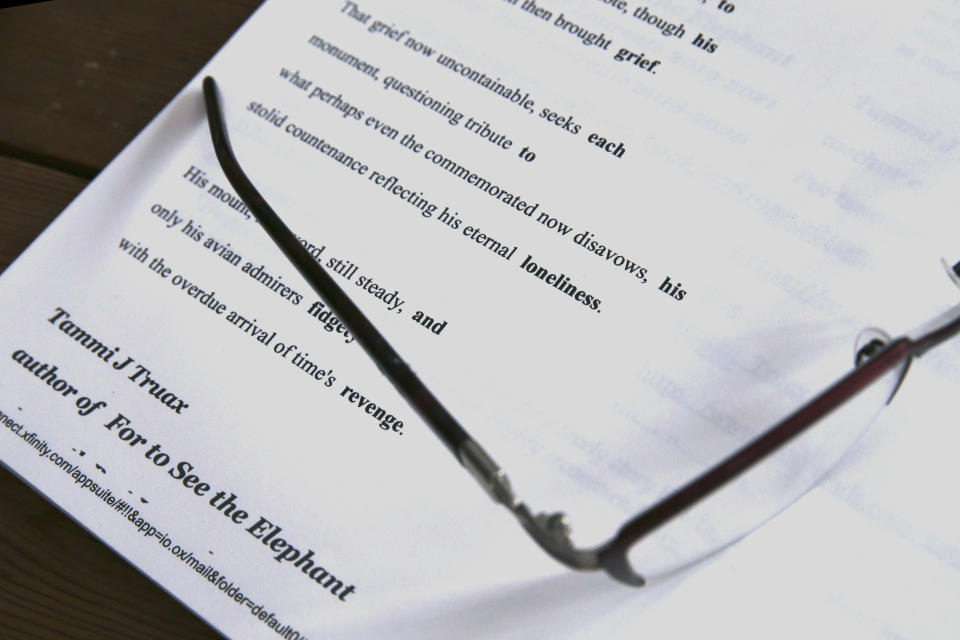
(78, 79)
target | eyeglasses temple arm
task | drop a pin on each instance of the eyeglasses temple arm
(549, 531)
(372, 341)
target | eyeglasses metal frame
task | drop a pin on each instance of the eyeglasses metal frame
(551, 531)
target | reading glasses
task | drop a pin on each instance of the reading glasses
(841, 412)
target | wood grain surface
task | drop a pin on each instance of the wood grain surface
(79, 79)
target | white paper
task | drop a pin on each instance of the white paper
(757, 205)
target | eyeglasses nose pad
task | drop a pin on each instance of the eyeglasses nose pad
(869, 343)
(952, 272)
